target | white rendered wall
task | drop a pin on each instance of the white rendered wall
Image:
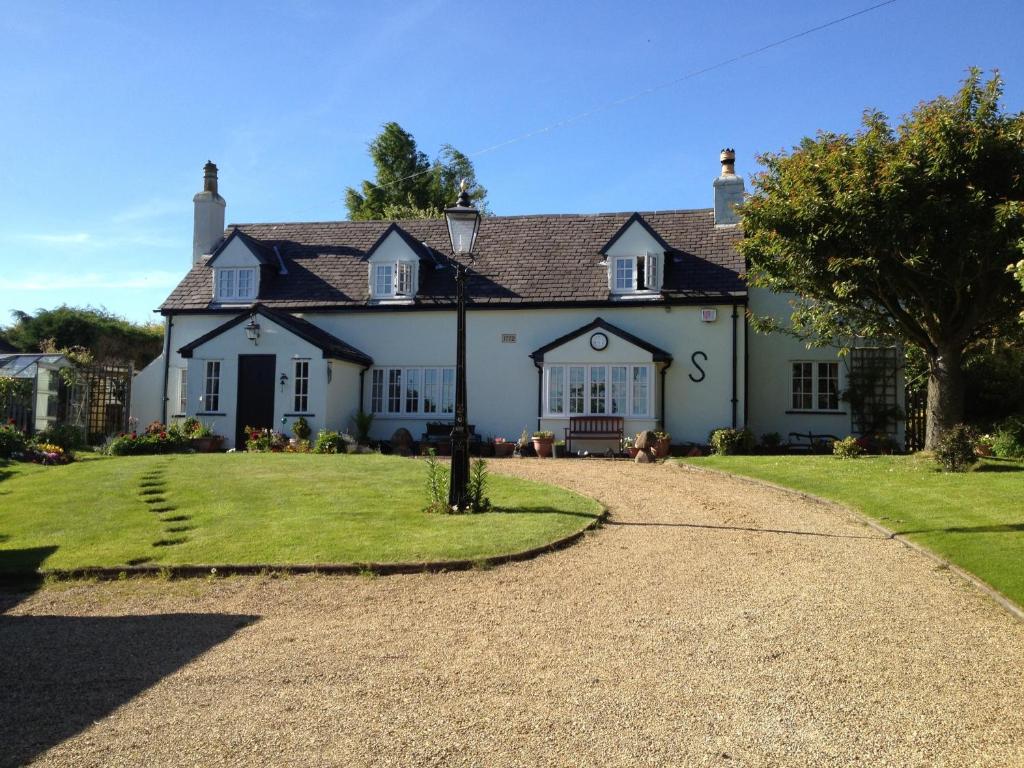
(147, 390)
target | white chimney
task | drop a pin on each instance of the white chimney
(728, 190)
(208, 226)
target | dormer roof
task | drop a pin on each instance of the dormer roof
(264, 253)
(416, 246)
(639, 220)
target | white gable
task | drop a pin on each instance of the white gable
(580, 350)
(236, 254)
(394, 248)
(636, 240)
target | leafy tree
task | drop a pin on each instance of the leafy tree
(408, 185)
(899, 234)
(101, 334)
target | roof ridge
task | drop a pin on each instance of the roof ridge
(379, 222)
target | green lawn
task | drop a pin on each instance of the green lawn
(975, 520)
(260, 508)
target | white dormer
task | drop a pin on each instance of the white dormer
(635, 258)
(394, 267)
(237, 264)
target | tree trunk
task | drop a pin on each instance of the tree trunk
(945, 393)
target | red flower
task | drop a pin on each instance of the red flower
(163, 435)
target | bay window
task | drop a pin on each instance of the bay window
(592, 390)
(412, 391)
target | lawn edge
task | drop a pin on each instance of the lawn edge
(1009, 605)
(113, 573)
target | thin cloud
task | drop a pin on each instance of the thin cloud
(90, 280)
(74, 238)
(99, 242)
(150, 209)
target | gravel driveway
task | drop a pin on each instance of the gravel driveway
(711, 622)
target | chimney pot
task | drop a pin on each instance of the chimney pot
(728, 190)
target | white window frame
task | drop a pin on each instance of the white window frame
(395, 385)
(228, 283)
(815, 391)
(399, 283)
(563, 372)
(629, 287)
(212, 374)
(653, 264)
(300, 386)
(183, 391)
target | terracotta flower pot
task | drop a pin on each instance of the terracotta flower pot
(207, 444)
(661, 447)
(542, 446)
(504, 450)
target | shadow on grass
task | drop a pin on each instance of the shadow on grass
(70, 671)
(995, 528)
(545, 511)
(994, 465)
(19, 573)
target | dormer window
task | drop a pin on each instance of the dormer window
(394, 280)
(635, 274)
(235, 283)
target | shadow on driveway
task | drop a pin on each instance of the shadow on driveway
(60, 674)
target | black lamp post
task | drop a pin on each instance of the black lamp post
(463, 223)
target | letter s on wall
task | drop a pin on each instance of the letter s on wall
(693, 359)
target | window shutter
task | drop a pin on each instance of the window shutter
(652, 272)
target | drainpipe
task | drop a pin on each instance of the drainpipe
(661, 415)
(167, 366)
(540, 391)
(746, 368)
(735, 316)
(362, 378)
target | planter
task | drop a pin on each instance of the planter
(504, 450)
(661, 448)
(632, 451)
(209, 444)
(542, 446)
(558, 450)
(486, 449)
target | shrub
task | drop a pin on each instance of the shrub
(191, 426)
(300, 428)
(134, 444)
(299, 446)
(12, 441)
(1008, 441)
(477, 487)
(363, 422)
(263, 440)
(543, 435)
(68, 437)
(329, 441)
(437, 484)
(771, 441)
(47, 453)
(955, 452)
(848, 448)
(727, 441)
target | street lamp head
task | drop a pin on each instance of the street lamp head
(463, 222)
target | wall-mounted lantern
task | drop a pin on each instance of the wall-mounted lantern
(252, 331)
(284, 381)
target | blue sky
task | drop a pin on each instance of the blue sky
(111, 109)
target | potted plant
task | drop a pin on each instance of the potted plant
(522, 444)
(301, 430)
(628, 446)
(486, 447)
(661, 447)
(558, 449)
(503, 448)
(542, 443)
(202, 438)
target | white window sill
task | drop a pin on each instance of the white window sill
(393, 300)
(416, 416)
(637, 296)
(566, 417)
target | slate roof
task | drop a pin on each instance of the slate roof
(331, 345)
(519, 260)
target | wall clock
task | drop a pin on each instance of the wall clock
(598, 341)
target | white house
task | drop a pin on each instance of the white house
(638, 315)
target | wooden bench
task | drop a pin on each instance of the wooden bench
(812, 439)
(593, 428)
(441, 432)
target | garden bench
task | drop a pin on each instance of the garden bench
(593, 428)
(811, 439)
(440, 432)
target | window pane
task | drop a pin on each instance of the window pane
(598, 378)
(412, 390)
(624, 274)
(301, 386)
(394, 390)
(244, 283)
(619, 392)
(576, 400)
(641, 390)
(430, 390)
(803, 386)
(383, 280)
(211, 395)
(183, 391)
(377, 391)
(226, 287)
(828, 386)
(556, 389)
(404, 278)
(447, 390)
